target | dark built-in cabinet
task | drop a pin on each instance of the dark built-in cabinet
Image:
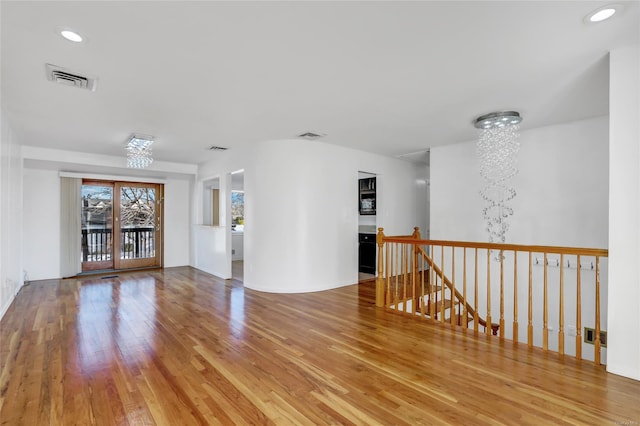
(367, 253)
(367, 196)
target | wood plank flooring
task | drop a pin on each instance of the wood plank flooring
(180, 347)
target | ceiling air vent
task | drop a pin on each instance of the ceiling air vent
(63, 76)
(311, 135)
(217, 148)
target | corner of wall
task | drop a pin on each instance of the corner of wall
(10, 216)
(623, 351)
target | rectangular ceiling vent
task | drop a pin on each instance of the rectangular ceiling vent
(217, 148)
(63, 76)
(311, 135)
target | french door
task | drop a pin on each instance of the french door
(121, 225)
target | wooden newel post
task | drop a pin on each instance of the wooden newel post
(380, 278)
(414, 270)
(416, 233)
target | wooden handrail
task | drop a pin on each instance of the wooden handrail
(418, 267)
(502, 247)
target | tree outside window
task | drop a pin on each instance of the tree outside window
(237, 207)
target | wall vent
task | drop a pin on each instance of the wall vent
(68, 78)
(217, 148)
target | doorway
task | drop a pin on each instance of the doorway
(367, 207)
(121, 225)
(237, 225)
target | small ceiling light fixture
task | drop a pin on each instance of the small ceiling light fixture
(602, 13)
(139, 151)
(71, 36)
(497, 119)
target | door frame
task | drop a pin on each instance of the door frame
(122, 264)
(144, 262)
(89, 266)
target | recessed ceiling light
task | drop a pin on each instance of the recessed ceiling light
(602, 13)
(71, 36)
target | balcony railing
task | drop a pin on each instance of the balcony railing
(97, 245)
(136, 243)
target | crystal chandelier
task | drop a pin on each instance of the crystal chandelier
(139, 151)
(497, 150)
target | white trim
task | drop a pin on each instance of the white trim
(289, 290)
(112, 177)
(61, 158)
(10, 301)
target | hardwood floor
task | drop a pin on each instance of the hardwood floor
(237, 270)
(363, 276)
(180, 347)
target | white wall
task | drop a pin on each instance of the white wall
(41, 222)
(422, 200)
(11, 277)
(562, 188)
(562, 200)
(237, 245)
(301, 210)
(624, 213)
(177, 221)
(212, 250)
(212, 244)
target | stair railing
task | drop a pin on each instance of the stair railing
(469, 312)
(422, 277)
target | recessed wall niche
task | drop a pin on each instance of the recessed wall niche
(211, 202)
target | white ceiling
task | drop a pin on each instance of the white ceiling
(386, 77)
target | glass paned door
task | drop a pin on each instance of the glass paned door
(97, 226)
(121, 225)
(139, 224)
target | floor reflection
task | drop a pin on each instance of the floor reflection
(236, 311)
(116, 319)
(95, 323)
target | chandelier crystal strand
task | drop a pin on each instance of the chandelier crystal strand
(497, 150)
(139, 153)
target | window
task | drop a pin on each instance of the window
(237, 209)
